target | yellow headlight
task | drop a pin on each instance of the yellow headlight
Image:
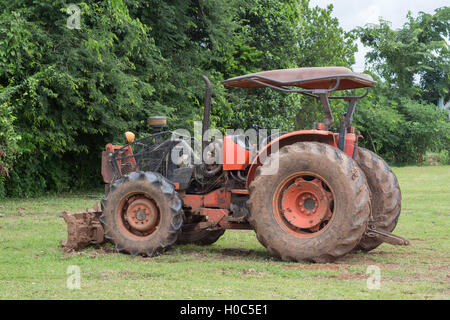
(129, 136)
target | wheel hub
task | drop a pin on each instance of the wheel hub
(142, 215)
(305, 204)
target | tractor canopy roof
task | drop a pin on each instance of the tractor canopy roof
(334, 78)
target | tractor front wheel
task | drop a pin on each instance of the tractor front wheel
(142, 214)
(309, 202)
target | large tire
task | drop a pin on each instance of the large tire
(142, 214)
(201, 238)
(386, 197)
(343, 184)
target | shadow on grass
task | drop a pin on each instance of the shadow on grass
(182, 251)
(218, 252)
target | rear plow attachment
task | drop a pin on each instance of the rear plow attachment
(83, 229)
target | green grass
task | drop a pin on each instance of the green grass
(34, 266)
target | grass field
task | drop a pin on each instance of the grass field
(34, 266)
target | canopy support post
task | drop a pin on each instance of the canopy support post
(329, 119)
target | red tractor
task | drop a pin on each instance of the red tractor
(310, 195)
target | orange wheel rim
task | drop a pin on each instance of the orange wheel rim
(304, 204)
(138, 215)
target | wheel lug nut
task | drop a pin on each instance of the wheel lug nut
(303, 209)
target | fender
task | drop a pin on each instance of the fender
(322, 136)
(107, 166)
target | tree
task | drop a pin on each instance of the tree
(413, 60)
(72, 91)
(287, 34)
(67, 92)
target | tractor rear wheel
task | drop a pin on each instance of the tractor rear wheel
(203, 237)
(385, 196)
(314, 207)
(142, 214)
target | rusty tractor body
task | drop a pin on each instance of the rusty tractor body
(310, 195)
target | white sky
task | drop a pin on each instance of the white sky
(354, 13)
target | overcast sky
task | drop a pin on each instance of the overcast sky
(354, 13)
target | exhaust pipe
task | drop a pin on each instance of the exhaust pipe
(205, 127)
(206, 110)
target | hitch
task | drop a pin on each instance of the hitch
(387, 237)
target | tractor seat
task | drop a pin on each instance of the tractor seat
(306, 78)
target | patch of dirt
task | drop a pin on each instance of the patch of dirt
(351, 276)
(446, 293)
(440, 267)
(34, 215)
(343, 268)
(126, 273)
(92, 252)
(153, 260)
(253, 272)
(324, 266)
(236, 252)
(416, 239)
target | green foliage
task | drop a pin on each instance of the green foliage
(402, 131)
(444, 157)
(287, 35)
(411, 64)
(9, 148)
(65, 93)
(415, 59)
(73, 91)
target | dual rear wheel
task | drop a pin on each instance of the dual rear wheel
(316, 205)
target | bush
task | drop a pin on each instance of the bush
(8, 144)
(444, 157)
(425, 128)
(402, 131)
(71, 91)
